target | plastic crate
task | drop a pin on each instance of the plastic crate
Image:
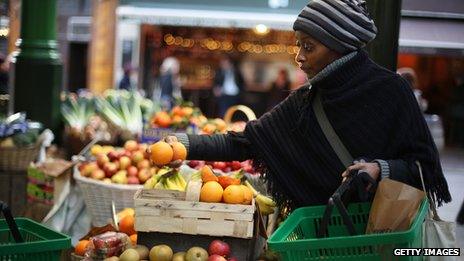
(296, 239)
(40, 242)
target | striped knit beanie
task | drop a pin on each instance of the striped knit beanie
(340, 25)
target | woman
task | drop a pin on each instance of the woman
(372, 109)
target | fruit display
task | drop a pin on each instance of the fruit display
(109, 242)
(222, 166)
(180, 116)
(127, 165)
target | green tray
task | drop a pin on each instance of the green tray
(41, 243)
(295, 239)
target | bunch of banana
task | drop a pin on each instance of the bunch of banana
(266, 204)
(166, 180)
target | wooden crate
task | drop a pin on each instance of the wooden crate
(181, 212)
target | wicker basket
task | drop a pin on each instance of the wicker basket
(98, 197)
(18, 158)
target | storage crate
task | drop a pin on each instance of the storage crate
(41, 243)
(296, 238)
(171, 211)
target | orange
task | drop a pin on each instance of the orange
(126, 225)
(133, 239)
(179, 151)
(211, 192)
(80, 247)
(163, 119)
(207, 174)
(176, 119)
(161, 153)
(209, 128)
(187, 111)
(248, 195)
(177, 110)
(220, 124)
(234, 194)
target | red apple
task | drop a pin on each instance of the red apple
(131, 145)
(219, 165)
(81, 166)
(248, 169)
(236, 165)
(98, 174)
(110, 169)
(227, 169)
(132, 171)
(144, 164)
(124, 162)
(216, 258)
(102, 159)
(133, 180)
(193, 163)
(143, 147)
(126, 153)
(113, 155)
(219, 247)
(138, 156)
(144, 174)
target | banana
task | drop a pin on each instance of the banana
(171, 183)
(150, 183)
(181, 181)
(160, 184)
(266, 204)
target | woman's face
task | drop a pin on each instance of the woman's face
(313, 56)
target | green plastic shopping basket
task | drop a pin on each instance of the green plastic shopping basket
(38, 242)
(295, 239)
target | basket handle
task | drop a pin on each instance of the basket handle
(11, 222)
(247, 111)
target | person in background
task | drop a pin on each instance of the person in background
(126, 83)
(169, 82)
(228, 83)
(372, 109)
(280, 88)
(4, 74)
(410, 76)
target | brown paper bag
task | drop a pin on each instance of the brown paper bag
(394, 207)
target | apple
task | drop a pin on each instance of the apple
(131, 145)
(144, 164)
(144, 175)
(126, 153)
(113, 155)
(193, 163)
(81, 166)
(97, 174)
(133, 180)
(124, 162)
(120, 177)
(235, 165)
(248, 169)
(219, 247)
(132, 171)
(138, 156)
(110, 169)
(102, 159)
(219, 165)
(88, 169)
(216, 258)
(227, 169)
(143, 147)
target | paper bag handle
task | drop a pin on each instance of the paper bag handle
(432, 202)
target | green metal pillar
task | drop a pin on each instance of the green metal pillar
(37, 68)
(387, 17)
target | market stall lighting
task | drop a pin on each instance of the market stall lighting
(215, 45)
(261, 29)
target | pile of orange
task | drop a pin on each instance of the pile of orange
(162, 153)
(212, 191)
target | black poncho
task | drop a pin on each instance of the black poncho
(373, 111)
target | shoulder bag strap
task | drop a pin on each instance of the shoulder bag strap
(332, 137)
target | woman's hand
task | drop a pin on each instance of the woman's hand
(372, 169)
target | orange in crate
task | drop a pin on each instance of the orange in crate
(126, 225)
(211, 192)
(234, 194)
